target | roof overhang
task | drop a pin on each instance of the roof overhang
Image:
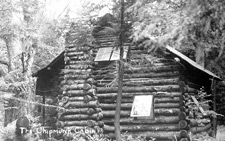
(54, 64)
(192, 63)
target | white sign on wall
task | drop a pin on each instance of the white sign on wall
(142, 106)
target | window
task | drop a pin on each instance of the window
(110, 54)
(143, 107)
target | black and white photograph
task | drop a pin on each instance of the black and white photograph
(112, 70)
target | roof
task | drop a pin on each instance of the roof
(192, 63)
(60, 58)
(53, 64)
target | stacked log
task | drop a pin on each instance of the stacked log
(183, 124)
(80, 107)
(90, 90)
(196, 122)
(86, 92)
(158, 78)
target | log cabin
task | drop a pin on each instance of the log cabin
(161, 91)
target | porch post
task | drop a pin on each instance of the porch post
(213, 88)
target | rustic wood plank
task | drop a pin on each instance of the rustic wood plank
(157, 120)
(133, 128)
(104, 54)
(198, 105)
(159, 94)
(116, 53)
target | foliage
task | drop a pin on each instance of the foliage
(9, 131)
(82, 136)
(220, 133)
(156, 20)
(202, 98)
(208, 32)
(203, 137)
(116, 9)
(83, 25)
(182, 24)
(52, 37)
(89, 137)
(24, 30)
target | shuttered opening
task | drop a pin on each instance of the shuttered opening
(110, 54)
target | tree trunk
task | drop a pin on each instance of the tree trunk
(29, 44)
(213, 88)
(200, 55)
(8, 42)
(2, 115)
(120, 78)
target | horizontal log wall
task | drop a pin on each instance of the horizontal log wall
(80, 105)
(86, 91)
(159, 77)
(90, 90)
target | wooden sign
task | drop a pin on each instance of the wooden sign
(142, 106)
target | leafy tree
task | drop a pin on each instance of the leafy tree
(20, 33)
(208, 33)
(185, 25)
(51, 41)
(9, 29)
(28, 39)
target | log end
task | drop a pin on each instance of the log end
(184, 139)
(183, 124)
(182, 115)
(183, 134)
